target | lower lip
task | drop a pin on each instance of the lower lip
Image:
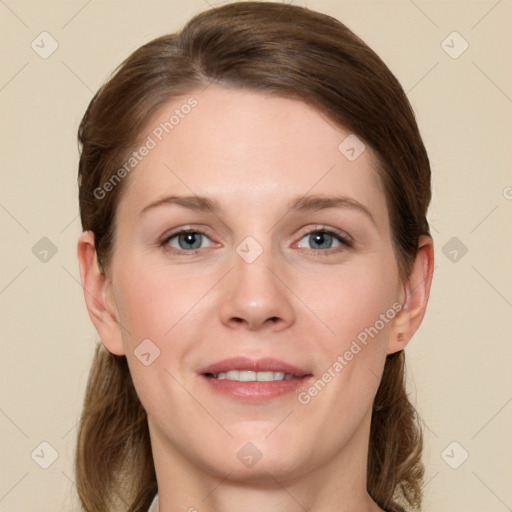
(256, 391)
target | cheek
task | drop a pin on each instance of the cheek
(356, 300)
(358, 305)
(151, 301)
(155, 305)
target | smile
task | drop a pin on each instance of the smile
(254, 380)
(251, 376)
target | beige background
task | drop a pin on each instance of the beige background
(459, 361)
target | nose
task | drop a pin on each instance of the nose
(257, 296)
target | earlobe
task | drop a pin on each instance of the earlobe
(416, 292)
(97, 294)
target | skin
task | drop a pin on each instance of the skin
(253, 153)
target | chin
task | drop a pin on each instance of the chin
(265, 471)
(260, 460)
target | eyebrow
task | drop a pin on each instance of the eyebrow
(315, 203)
(300, 203)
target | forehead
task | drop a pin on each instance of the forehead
(249, 149)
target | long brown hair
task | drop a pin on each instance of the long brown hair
(288, 51)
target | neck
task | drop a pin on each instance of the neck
(339, 484)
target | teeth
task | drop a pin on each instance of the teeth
(250, 376)
(246, 376)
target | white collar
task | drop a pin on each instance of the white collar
(154, 504)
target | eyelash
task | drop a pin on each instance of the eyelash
(343, 239)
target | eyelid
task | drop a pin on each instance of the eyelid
(343, 235)
(344, 238)
(346, 242)
(164, 241)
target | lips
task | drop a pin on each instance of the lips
(250, 376)
(253, 380)
(252, 365)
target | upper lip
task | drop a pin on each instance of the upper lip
(266, 364)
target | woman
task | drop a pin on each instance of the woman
(255, 257)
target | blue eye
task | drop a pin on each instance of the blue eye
(186, 239)
(324, 239)
(320, 241)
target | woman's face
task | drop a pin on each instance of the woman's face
(255, 280)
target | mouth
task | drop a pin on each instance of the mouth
(250, 376)
(254, 380)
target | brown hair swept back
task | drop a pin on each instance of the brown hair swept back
(287, 51)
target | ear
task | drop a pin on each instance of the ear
(414, 298)
(98, 295)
